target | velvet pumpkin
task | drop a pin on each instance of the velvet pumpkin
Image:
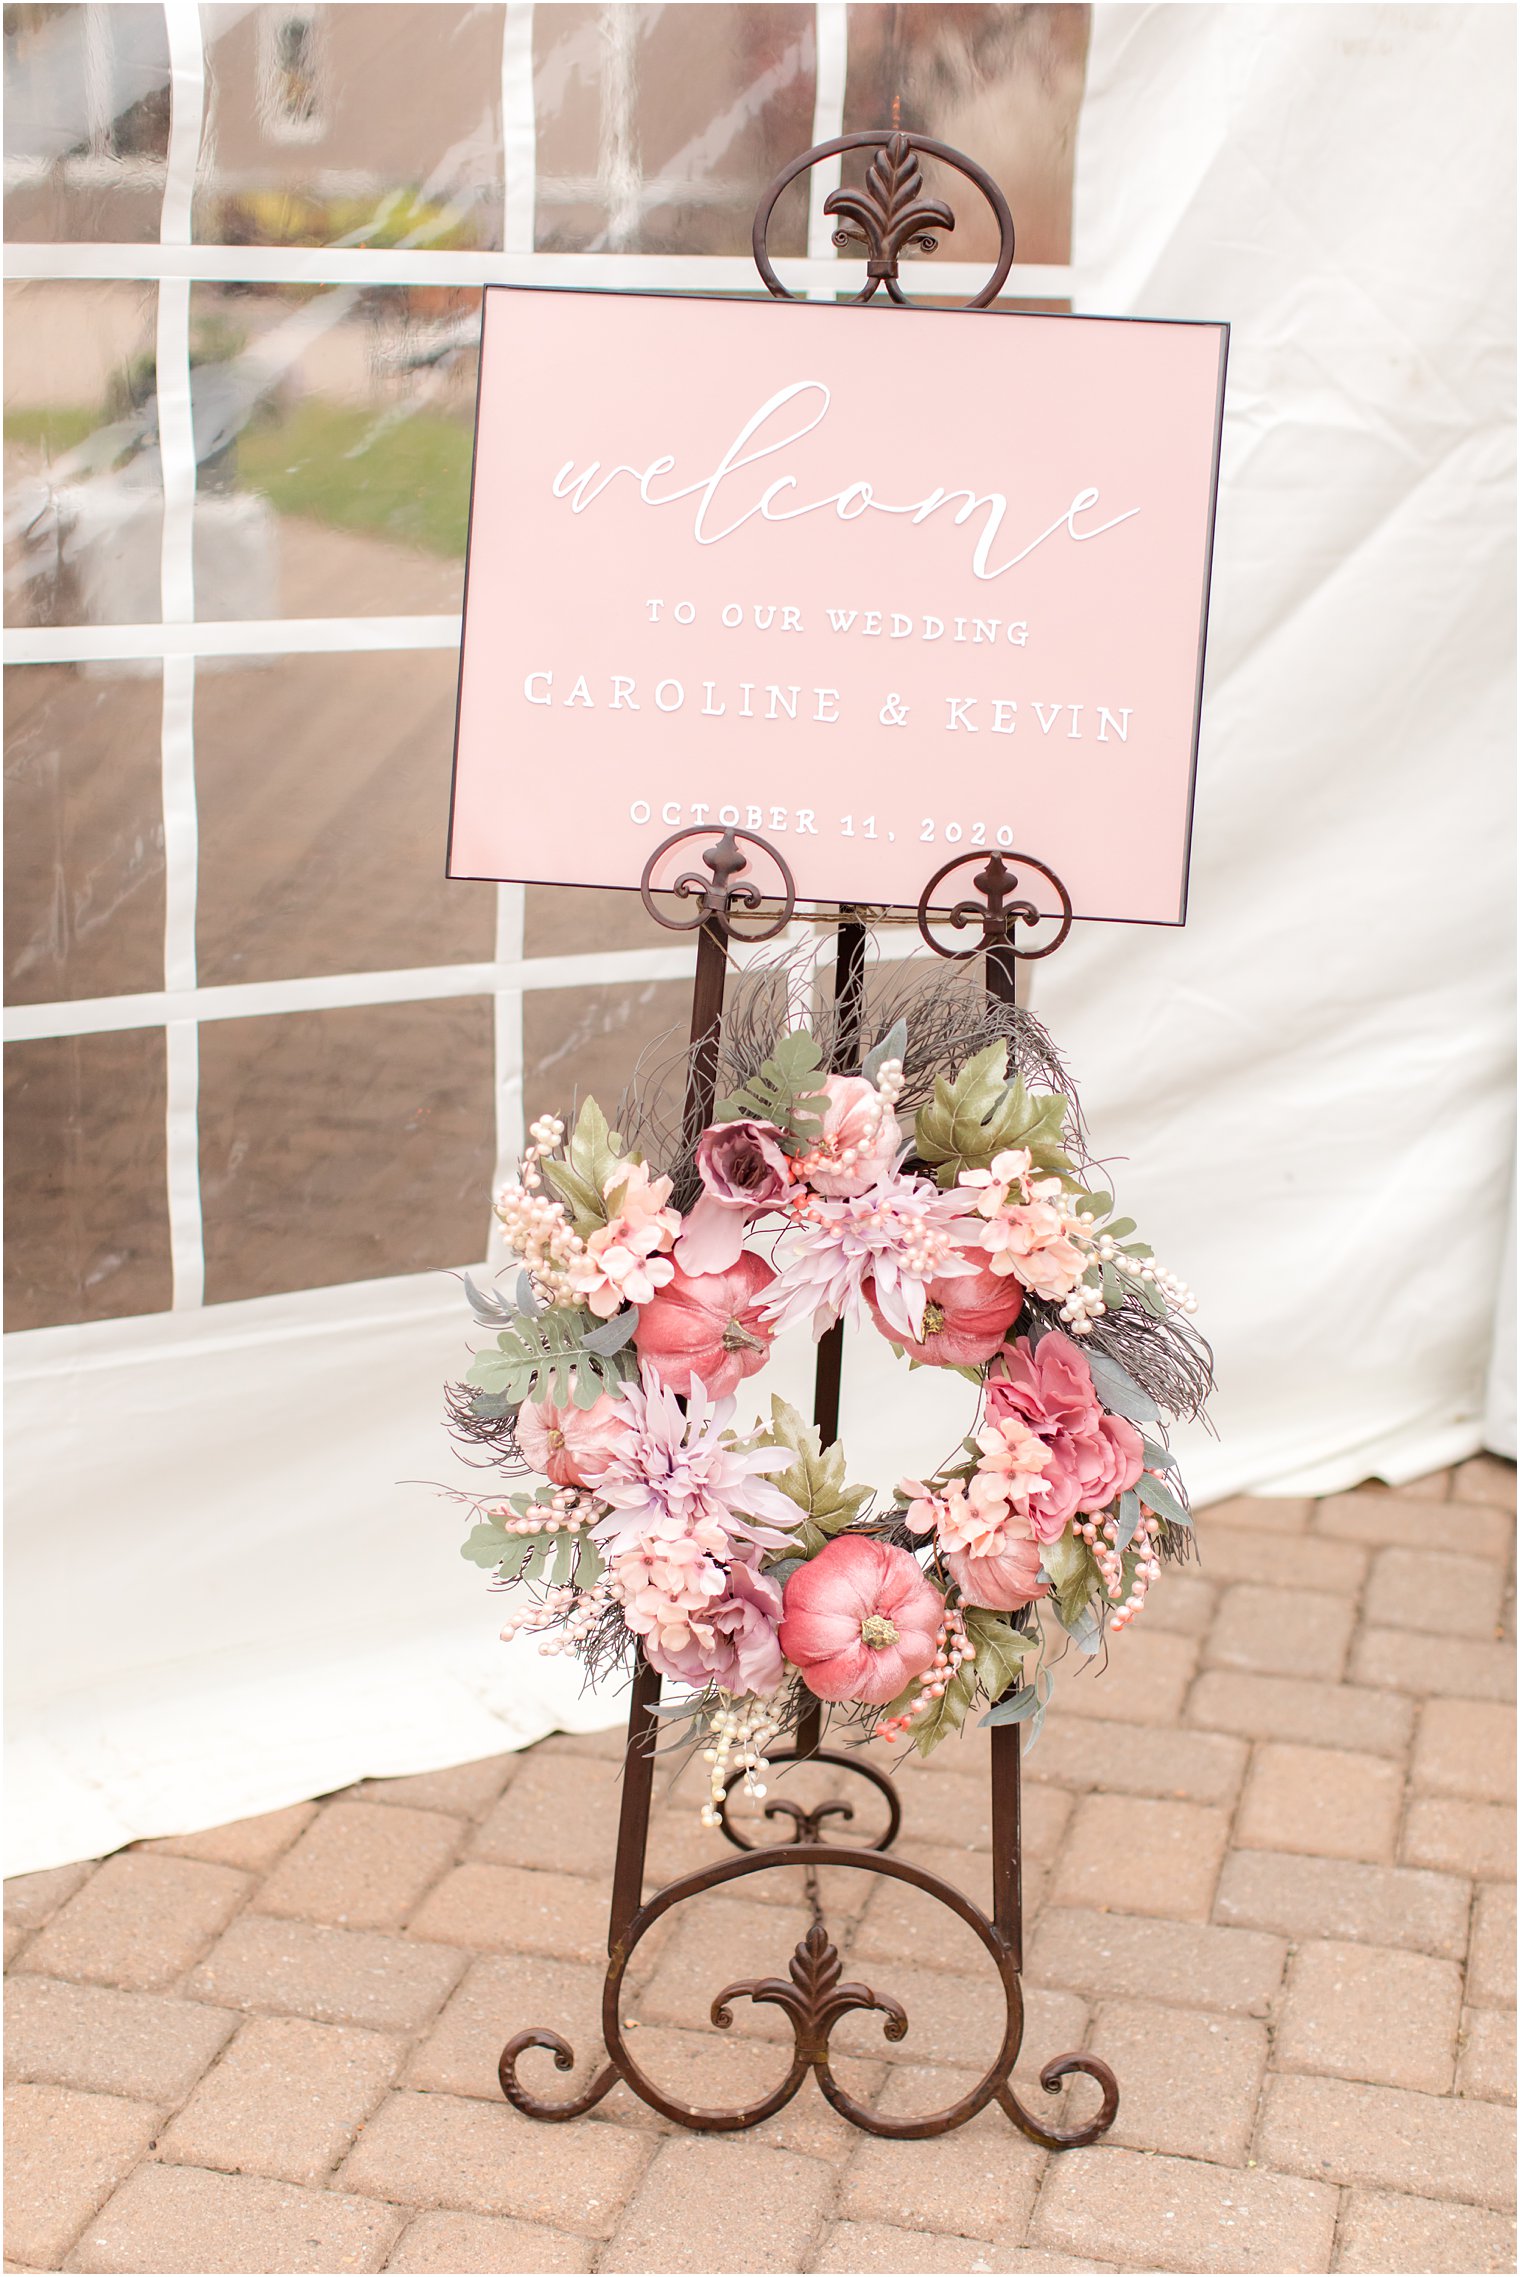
(859, 1621)
(707, 1326)
(965, 1318)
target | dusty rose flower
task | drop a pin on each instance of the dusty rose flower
(571, 1446)
(708, 1326)
(731, 1641)
(744, 1169)
(1093, 1456)
(964, 1320)
(860, 1141)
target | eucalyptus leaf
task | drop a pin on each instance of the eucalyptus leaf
(528, 1299)
(783, 1569)
(1117, 1389)
(491, 1406)
(1113, 1288)
(1120, 1227)
(613, 1335)
(1017, 1708)
(1129, 1517)
(892, 1046)
(489, 1309)
(1161, 1499)
(1158, 1457)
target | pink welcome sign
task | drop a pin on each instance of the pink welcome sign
(882, 586)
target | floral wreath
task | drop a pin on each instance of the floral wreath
(744, 1565)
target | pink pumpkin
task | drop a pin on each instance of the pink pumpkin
(1011, 1577)
(707, 1326)
(859, 1621)
(965, 1319)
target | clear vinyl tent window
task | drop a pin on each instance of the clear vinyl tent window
(258, 1044)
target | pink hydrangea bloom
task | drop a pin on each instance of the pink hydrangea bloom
(665, 1585)
(571, 1446)
(731, 1640)
(1093, 1456)
(624, 1262)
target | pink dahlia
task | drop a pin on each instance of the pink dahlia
(901, 1236)
(676, 1474)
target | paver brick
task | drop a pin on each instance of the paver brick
(506, 1909)
(1486, 2065)
(1145, 1679)
(1281, 1632)
(1295, 1708)
(956, 1812)
(1189, 2079)
(1142, 1857)
(1370, 2013)
(1323, 1801)
(1386, 2231)
(1436, 2146)
(286, 2100)
(455, 2245)
(1386, 1521)
(860, 2249)
(715, 2206)
(1473, 1838)
(361, 1866)
(32, 1899)
(1459, 1668)
(1430, 1486)
(336, 1976)
(608, 1743)
(1339, 1897)
(1295, 1561)
(463, 1790)
(138, 1922)
(64, 2153)
(721, 1941)
(1486, 1478)
(1268, 1513)
(1181, 2214)
(1491, 1962)
(975, 2182)
(1436, 1591)
(1122, 1759)
(182, 2222)
(904, 1923)
(1237, 1971)
(1466, 1747)
(482, 2158)
(958, 2020)
(506, 1993)
(252, 1844)
(713, 2071)
(114, 2043)
(560, 1811)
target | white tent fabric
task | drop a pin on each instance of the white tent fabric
(222, 1597)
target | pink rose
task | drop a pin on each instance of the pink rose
(860, 1141)
(571, 1446)
(744, 1169)
(732, 1641)
(861, 1620)
(708, 1326)
(1093, 1455)
(965, 1320)
(1001, 1583)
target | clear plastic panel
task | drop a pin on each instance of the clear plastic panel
(658, 128)
(1002, 84)
(86, 1214)
(86, 123)
(339, 1146)
(84, 838)
(84, 513)
(363, 125)
(333, 432)
(624, 1038)
(323, 789)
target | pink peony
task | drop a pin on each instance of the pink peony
(860, 1620)
(744, 1169)
(1001, 1583)
(571, 1446)
(1093, 1456)
(708, 1326)
(731, 1640)
(860, 1141)
(964, 1320)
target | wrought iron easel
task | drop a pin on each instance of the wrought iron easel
(889, 213)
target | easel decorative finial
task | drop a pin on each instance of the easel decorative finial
(890, 212)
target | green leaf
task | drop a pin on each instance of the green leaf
(580, 1181)
(547, 1358)
(1000, 1649)
(1017, 1708)
(1120, 1227)
(946, 1714)
(783, 1569)
(1113, 1288)
(892, 1046)
(1129, 1517)
(487, 1545)
(1117, 1389)
(1158, 1458)
(980, 1114)
(788, 1090)
(565, 1548)
(1161, 1499)
(1073, 1575)
(491, 1405)
(1096, 1205)
(815, 1481)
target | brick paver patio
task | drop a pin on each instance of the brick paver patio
(1270, 1879)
